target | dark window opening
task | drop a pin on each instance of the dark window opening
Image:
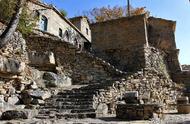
(67, 35)
(87, 32)
(43, 23)
(87, 46)
(60, 32)
(36, 13)
(76, 42)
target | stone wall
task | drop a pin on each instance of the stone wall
(83, 67)
(121, 42)
(82, 24)
(182, 77)
(156, 60)
(173, 61)
(128, 59)
(154, 85)
(161, 33)
(119, 33)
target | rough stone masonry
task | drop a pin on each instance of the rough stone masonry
(128, 54)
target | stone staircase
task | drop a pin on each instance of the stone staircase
(68, 104)
(73, 103)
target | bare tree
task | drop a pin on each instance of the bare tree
(11, 27)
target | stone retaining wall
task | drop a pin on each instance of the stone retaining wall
(83, 67)
(153, 83)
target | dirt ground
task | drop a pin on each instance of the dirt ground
(167, 119)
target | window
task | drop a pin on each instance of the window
(87, 31)
(60, 32)
(67, 35)
(43, 23)
(76, 42)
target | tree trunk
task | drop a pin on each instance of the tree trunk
(11, 27)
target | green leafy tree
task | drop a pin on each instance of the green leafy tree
(63, 12)
(26, 21)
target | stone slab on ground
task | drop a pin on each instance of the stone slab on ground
(40, 94)
(18, 114)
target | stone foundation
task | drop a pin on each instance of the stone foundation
(136, 111)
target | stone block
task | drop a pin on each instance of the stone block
(10, 67)
(18, 114)
(41, 59)
(13, 100)
(40, 94)
(183, 100)
(183, 108)
(54, 80)
(26, 97)
(38, 102)
(102, 110)
(136, 111)
(131, 97)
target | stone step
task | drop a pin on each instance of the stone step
(75, 96)
(73, 100)
(71, 103)
(80, 91)
(48, 111)
(68, 111)
(78, 115)
(42, 116)
(95, 87)
(82, 110)
(90, 106)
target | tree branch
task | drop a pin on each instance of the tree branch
(11, 27)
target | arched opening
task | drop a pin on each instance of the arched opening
(43, 23)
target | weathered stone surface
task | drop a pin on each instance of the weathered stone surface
(26, 97)
(186, 67)
(153, 83)
(33, 85)
(18, 114)
(183, 108)
(37, 102)
(54, 80)
(40, 94)
(13, 100)
(15, 48)
(9, 66)
(43, 60)
(136, 111)
(4, 106)
(183, 100)
(2, 91)
(102, 109)
(131, 97)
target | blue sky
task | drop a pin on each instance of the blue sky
(177, 10)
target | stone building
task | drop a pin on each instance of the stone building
(53, 22)
(122, 41)
(82, 23)
(136, 53)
